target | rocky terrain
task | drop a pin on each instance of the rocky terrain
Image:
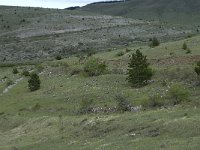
(34, 33)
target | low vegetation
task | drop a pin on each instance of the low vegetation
(15, 71)
(86, 106)
(178, 93)
(122, 103)
(9, 82)
(184, 47)
(94, 67)
(58, 57)
(26, 73)
(154, 42)
(197, 68)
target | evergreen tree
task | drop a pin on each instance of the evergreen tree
(197, 68)
(58, 57)
(139, 72)
(155, 42)
(15, 71)
(34, 82)
(184, 47)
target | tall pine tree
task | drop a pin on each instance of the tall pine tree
(197, 68)
(139, 72)
(34, 82)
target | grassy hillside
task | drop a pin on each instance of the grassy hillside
(172, 11)
(173, 129)
(49, 118)
(73, 110)
(36, 33)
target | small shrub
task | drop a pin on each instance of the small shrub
(177, 94)
(190, 36)
(89, 54)
(93, 67)
(154, 42)
(5, 77)
(128, 50)
(155, 101)
(15, 71)
(14, 148)
(39, 68)
(34, 82)
(58, 57)
(63, 64)
(86, 106)
(188, 51)
(197, 68)
(122, 104)
(81, 59)
(9, 82)
(184, 47)
(75, 71)
(120, 54)
(23, 20)
(25, 73)
(164, 82)
(36, 107)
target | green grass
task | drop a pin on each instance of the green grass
(165, 50)
(176, 128)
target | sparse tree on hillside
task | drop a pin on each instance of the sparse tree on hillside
(197, 70)
(15, 71)
(184, 47)
(58, 57)
(155, 42)
(139, 72)
(34, 82)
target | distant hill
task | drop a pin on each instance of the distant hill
(173, 11)
(37, 33)
(72, 8)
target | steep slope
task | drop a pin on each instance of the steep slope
(175, 11)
